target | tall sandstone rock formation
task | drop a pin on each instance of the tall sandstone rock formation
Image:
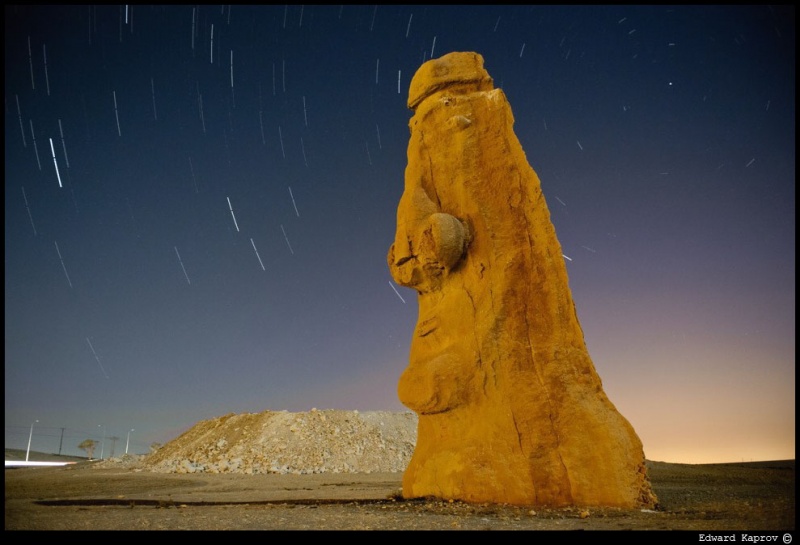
(511, 409)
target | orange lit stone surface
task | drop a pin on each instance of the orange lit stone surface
(511, 409)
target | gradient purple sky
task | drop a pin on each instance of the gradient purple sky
(664, 138)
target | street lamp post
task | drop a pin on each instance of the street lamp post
(28, 452)
(103, 443)
(128, 442)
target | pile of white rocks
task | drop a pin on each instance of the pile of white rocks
(318, 441)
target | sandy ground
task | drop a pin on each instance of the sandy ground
(745, 497)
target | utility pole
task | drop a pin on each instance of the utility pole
(28, 452)
(61, 442)
(103, 444)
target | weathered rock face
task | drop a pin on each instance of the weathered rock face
(511, 409)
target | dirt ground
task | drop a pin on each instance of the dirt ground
(746, 497)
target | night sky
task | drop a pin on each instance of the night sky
(212, 235)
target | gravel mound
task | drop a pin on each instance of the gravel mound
(318, 441)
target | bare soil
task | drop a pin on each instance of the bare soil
(745, 497)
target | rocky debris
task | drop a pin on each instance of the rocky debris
(126, 461)
(318, 441)
(511, 408)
